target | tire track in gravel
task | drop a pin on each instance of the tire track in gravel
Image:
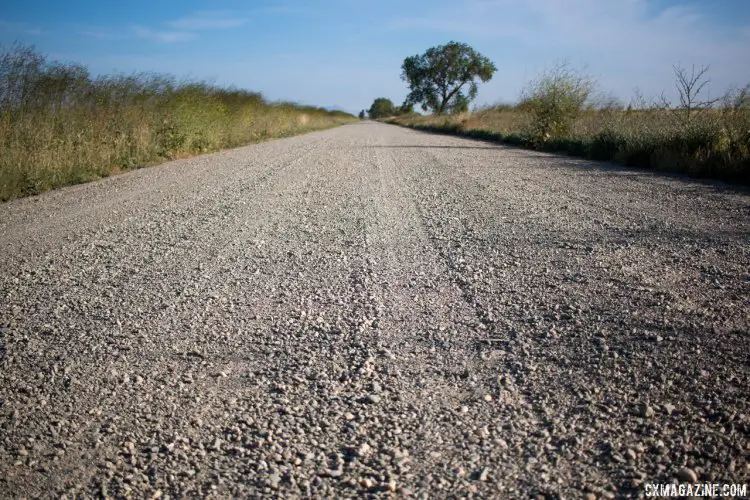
(534, 434)
(465, 417)
(519, 422)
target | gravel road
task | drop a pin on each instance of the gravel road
(375, 309)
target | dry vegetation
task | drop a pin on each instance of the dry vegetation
(60, 126)
(557, 114)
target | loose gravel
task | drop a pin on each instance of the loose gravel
(374, 310)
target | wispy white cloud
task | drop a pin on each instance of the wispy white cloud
(98, 32)
(162, 36)
(438, 24)
(95, 33)
(21, 28)
(184, 28)
(478, 19)
(207, 20)
(285, 9)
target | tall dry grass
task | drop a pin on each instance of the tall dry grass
(59, 125)
(715, 143)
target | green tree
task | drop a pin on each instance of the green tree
(445, 77)
(555, 100)
(381, 107)
(362, 115)
(461, 105)
(406, 108)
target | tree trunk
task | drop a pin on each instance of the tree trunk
(443, 101)
(446, 98)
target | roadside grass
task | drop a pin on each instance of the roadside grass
(713, 144)
(61, 126)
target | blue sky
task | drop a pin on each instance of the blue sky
(348, 52)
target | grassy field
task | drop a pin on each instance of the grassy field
(61, 126)
(714, 143)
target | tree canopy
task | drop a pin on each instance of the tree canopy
(381, 107)
(406, 108)
(444, 78)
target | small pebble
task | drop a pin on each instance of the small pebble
(484, 474)
(687, 475)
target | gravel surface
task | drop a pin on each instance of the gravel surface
(374, 309)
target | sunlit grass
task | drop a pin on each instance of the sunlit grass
(60, 126)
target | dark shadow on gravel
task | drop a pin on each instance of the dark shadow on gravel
(436, 147)
(564, 161)
(635, 174)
